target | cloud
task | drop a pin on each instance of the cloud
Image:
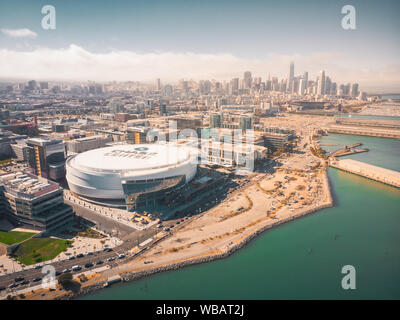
(19, 33)
(76, 63)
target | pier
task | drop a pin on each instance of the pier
(347, 150)
(365, 131)
(387, 124)
(389, 177)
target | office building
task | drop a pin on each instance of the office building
(354, 90)
(247, 80)
(291, 77)
(321, 83)
(245, 123)
(46, 157)
(215, 120)
(34, 202)
(137, 135)
(87, 143)
(275, 141)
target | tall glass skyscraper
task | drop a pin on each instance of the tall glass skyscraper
(291, 77)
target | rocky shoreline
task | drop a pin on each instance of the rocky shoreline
(141, 274)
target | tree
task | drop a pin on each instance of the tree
(65, 279)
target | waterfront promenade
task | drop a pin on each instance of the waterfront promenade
(369, 171)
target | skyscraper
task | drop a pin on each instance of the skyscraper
(247, 79)
(327, 85)
(32, 85)
(291, 77)
(321, 83)
(354, 90)
(234, 85)
(302, 87)
(305, 78)
(204, 87)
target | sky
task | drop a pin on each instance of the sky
(219, 39)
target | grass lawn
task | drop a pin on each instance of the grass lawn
(11, 237)
(40, 249)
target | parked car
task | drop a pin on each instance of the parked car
(111, 259)
(18, 279)
(37, 279)
(25, 282)
(88, 265)
(99, 262)
(80, 255)
(121, 256)
(71, 258)
(67, 270)
(38, 267)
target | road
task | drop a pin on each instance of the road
(130, 241)
(102, 222)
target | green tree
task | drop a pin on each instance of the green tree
(65, 279)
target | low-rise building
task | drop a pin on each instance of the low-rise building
(33, 202)
(275, 141)
(88, 143)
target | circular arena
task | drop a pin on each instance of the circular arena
(140, 174)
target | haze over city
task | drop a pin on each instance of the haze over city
(208, 40)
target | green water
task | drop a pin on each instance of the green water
(303, 259)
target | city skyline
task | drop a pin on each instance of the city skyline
(144, 41)
(298, 86)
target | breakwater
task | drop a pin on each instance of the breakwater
(369, 171)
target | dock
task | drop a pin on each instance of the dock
(347, 150)
(386, 176)
(365, 131)
(113, 279)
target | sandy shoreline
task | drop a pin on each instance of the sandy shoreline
(211, 256)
